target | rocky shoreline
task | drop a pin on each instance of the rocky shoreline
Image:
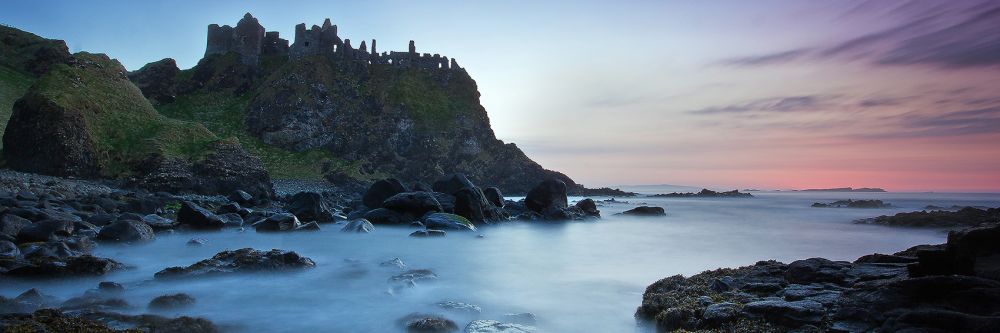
(49, 227)
(927, 288)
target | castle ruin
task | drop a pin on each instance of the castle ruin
(250, 41)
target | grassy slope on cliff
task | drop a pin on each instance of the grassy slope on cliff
(124, 126)
(223, 113)
(13, 85)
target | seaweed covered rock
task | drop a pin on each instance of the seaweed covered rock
(240, 261)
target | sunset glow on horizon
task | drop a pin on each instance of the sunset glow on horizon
(777, 94)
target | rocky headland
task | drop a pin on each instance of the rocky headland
(705, 193)
(958, 219)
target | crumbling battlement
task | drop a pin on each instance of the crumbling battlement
(249, 40)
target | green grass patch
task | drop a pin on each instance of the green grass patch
(122, 123)
(224, 114)
(13, 85)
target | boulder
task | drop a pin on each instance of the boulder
(9, 250)
(645, 211)
(278, 222)
(197, 217)
(428, 233)
(589, 207)
(494, 196)
(127, 232)
(240, 261)
(548, 194)
(413, 203)
(241, 197)
(381, 190)
(493, 326)
(11, 224)
(310, 206)
(445, 221)
(46, 230)
(424, 323)
(387, 217)
(720, 313)
(358, 226)
(159, 223)
(171, 302)
(452, 184)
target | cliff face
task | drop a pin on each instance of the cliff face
(413, 116)
(82, 117)
(411, 123)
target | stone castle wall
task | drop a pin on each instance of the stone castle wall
(249, 40)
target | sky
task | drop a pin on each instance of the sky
(770, 94)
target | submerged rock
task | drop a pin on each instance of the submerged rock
(171, 302)
(645, 211)
(445, 221)
(240, 261)
(460, 307)
(428, 233)
(426, 323)
(358, 226)
(493, 326)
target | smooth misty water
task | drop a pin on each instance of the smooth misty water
(576, 277)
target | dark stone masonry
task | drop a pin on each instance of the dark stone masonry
(250, 41)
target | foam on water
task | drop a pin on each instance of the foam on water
(576, 277)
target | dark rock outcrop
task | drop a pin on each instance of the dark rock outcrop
(240, 261)
(549, 194)
(196, 217)
(445, 221)
(963, 218)
(157, 80)
(413, 203)
(171, 302)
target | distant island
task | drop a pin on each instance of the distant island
(849, 203)
(705, 193)
(844, 189)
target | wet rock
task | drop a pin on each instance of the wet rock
(445, 221)
(311, 226)
(493, 326)
(523, 318)
(358, 226)
(428, 233)
(110, 287)
(381, 190)
(394, 263)
(310, 206)
(278, 222)
(645, 211)
(101, 219)
(9, 250)
(232, 219)
(159, 223)
(240, 261)
(171, 302)
(793, 314)
(46, 230)
(197, 217)
(589, 207)
(84, 265)
(817, 270)
(11, 224)
(228, 208)
(197, 241)
(425, 323)
(494, 196)
(460, 307)
(469, 201)
(720, 313)
(153, 323)
(127, 232)
(413, 203)
(413, 276)
(548, 194)
(241, 197)
(387, 217)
